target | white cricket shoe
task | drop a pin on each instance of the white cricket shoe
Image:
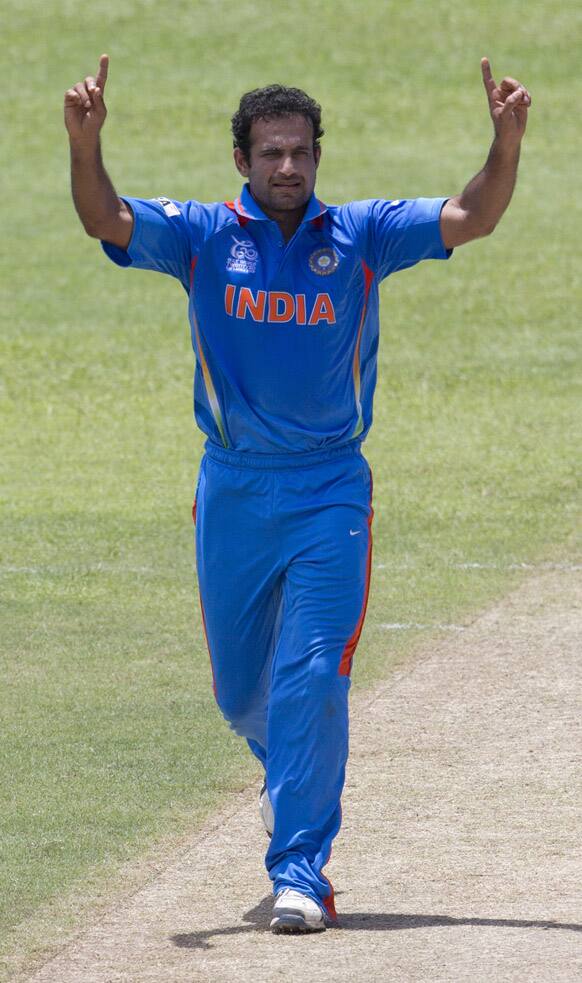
(266, 810)
(296, 913)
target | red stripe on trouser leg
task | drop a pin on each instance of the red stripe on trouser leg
(330, 906)
(208, 647)
(345, 666)
(329, 902)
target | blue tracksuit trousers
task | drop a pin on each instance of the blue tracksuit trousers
(283, 548)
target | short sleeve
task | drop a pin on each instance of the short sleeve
(161, 239)
(401, 233)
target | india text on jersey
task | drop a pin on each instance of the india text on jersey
(277, 306)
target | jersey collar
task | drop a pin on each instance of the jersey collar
(246, 207)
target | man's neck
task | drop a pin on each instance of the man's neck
(288, 221)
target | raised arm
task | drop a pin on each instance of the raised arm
(102, 213)
(476, 211)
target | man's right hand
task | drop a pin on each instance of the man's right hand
(85, 110)
(103, 214)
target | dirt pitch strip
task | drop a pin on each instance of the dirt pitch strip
(460, 856)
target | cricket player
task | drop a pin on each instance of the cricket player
(283, 307)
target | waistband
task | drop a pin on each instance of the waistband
(280, 462)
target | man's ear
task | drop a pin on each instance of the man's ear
(241, 162)
(317, 155)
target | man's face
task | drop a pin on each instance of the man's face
(283, 163)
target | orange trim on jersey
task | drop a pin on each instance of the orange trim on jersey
(234, 207)
(345, 666)
(240, 208)
(210, 390)
(368, 278)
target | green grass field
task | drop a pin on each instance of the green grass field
(111, 742)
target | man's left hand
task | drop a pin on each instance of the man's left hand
(508, 104)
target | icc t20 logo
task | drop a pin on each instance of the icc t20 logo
(243, 256)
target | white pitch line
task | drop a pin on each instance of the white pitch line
(413, 626)
(517, 566)
(62, 569)
(568, 567)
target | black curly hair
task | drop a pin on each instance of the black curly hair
(269, 103)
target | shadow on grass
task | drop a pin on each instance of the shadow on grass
(257, 919)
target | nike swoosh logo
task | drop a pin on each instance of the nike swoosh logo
(355, 532)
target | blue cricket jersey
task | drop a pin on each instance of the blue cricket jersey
(285, 334)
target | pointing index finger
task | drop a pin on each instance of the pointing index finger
(487, 76)
(102, 73)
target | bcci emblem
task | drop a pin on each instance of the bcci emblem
(324, 261)
(243, 256)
